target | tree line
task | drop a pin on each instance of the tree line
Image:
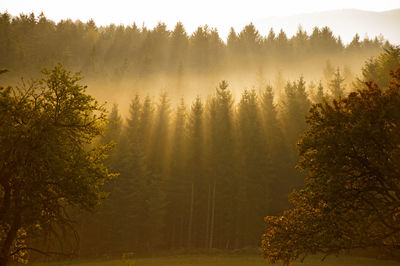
(29, 42)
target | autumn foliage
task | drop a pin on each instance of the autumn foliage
(351, 154)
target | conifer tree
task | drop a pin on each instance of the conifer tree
(249, 44)
(278, 152)
(328, 71)
(295, 106)
(178, 48)
(336, 86)
(254, 173)
(197, 173)
(320, 96)
(178, 185)
(232, 46)
(222, 167)
(157, 161)
(136, 171)
(300, 44)
(112, 228)
(146, 173)
(146, 124)
(376, 69)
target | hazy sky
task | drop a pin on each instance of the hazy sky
(216, 13)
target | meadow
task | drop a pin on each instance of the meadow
(222, 260)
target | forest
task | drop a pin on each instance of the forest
(199, 141)
(135, 59)
(210, 168)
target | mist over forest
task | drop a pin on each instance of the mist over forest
(200, 138)
(119, 61)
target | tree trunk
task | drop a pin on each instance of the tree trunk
(11, 235)
(212, 218)
(191, 218)
(208, 217)
(3, 261)
(5, 207)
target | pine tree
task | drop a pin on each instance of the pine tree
(221, 166)
(114, 126)
(249, 44)
(105, 220)
(157, 161)
(232, 47)
(136, 171)
(197, 173)
(254, 171)
(300, 44)
(320, 96)
(179, 47)
(278, 152)
(328, 71)
(336, 86)
(295, 106)
(146, 124)
(177, 185)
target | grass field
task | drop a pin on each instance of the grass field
(222, 260)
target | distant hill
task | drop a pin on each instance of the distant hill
(346, 23)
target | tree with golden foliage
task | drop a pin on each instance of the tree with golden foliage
(351, 154)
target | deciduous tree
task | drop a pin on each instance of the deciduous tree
(351, 152)
(47, 160)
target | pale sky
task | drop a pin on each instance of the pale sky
(221, 14)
